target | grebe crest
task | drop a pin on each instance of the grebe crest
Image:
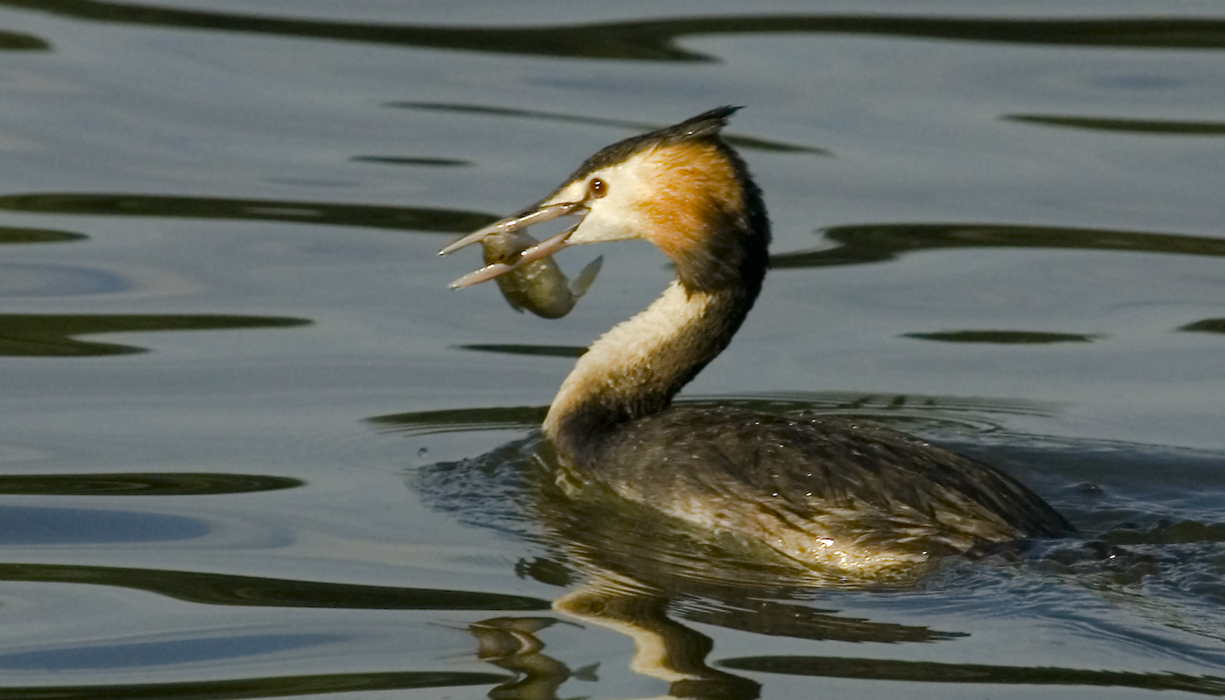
(860, 500)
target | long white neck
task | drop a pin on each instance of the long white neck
(636, 368)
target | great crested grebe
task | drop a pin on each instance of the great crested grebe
(859, 500)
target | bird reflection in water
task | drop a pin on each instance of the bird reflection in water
(632, 570)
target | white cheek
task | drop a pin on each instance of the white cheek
(597, 227)
(618, 215)
(610, 219)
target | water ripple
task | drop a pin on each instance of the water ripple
(875, 243)
(932, 672)
(267, 687)
(54, 335)
(142, 484)
(19, 235)
(659, 40)
(226, 589)
(997, 337)
(1164, 127)
(131, 204)
(15, 41)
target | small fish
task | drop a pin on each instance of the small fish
(539, 286)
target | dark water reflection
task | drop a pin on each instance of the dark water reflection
(10, 235)
(1004, 337)
(12, 41)
(1208, 325)
(657, 40)
(419, 162)
(884, 669)
(129, 205)
(876, 243)
(28, 335)
(1129, 126)
(686, 651)
(529, 350)
(142, 484)
(218, 589)
(269, 687)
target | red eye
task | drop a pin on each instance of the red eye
(597, 188)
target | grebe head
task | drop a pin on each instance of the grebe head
(682, 188)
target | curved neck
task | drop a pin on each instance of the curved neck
(636, 368)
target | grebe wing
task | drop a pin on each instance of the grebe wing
(819, 475)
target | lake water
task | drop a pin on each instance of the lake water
(252, 446)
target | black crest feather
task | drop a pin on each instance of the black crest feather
(705, 125)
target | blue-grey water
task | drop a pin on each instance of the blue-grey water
(252, 446)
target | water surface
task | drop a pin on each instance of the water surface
(252, 445)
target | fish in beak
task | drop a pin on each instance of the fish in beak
(514, 224)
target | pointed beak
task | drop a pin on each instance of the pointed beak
(524, 219)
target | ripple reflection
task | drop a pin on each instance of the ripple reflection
(53, 335)
(266, 687)
(226, 589)
(932, 672)
(875, 243)
(1005, 337)
(131, 204)
(14, 235)
(16, 41)
(1165, 127)
(661, 39)
(142, 484)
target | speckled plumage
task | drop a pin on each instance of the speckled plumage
(839, 494)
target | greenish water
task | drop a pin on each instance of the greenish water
(252, 446)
